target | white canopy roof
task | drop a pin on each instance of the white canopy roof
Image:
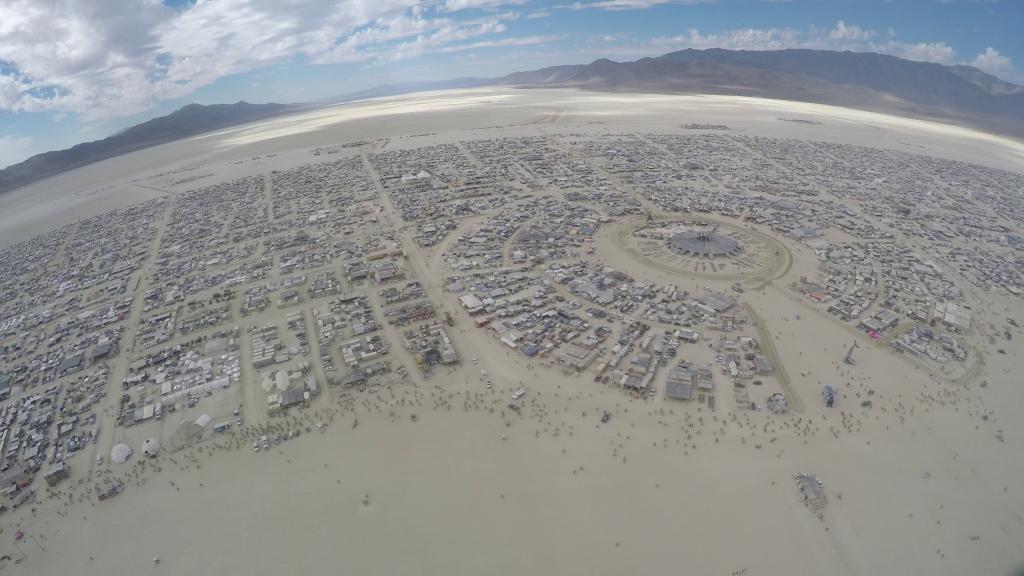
(120, 453)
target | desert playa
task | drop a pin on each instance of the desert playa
(520, 331)
(457, 114)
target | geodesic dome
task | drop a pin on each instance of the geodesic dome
(150, 447)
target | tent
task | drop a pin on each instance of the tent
(120, 453)
(150, 447)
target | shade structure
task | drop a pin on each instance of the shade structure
(150, 447)
(703, 243)
(120, 453)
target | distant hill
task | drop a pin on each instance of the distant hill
(410, 87)
(550, 75)
(854, 79)
(186, 121)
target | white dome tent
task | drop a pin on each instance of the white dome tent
(151, 447)
(120, 453)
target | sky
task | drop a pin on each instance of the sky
(79, 70)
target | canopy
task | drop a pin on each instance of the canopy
(120, 453)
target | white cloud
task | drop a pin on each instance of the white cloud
(10, 92)
(993, 62)
(938, 52)
(538, 14)
(741, 39)
(14, 149)
(615, 37)
(456, 5)
(102, 58)
(440, 38)
(618, 5)
(615, 5)
(519, 41)
(844, 32)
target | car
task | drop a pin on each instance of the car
(99, 460)
(474, 360)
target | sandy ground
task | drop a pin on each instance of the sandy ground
(440, 477)
(459, 491)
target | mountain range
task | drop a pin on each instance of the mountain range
(186, 121)
(869, 81)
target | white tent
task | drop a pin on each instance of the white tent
(120, 453)
(150, 447)
(203, 420)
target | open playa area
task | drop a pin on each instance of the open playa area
(520, 331)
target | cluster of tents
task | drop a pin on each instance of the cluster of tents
(120, 453)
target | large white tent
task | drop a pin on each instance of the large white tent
(120, 453)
